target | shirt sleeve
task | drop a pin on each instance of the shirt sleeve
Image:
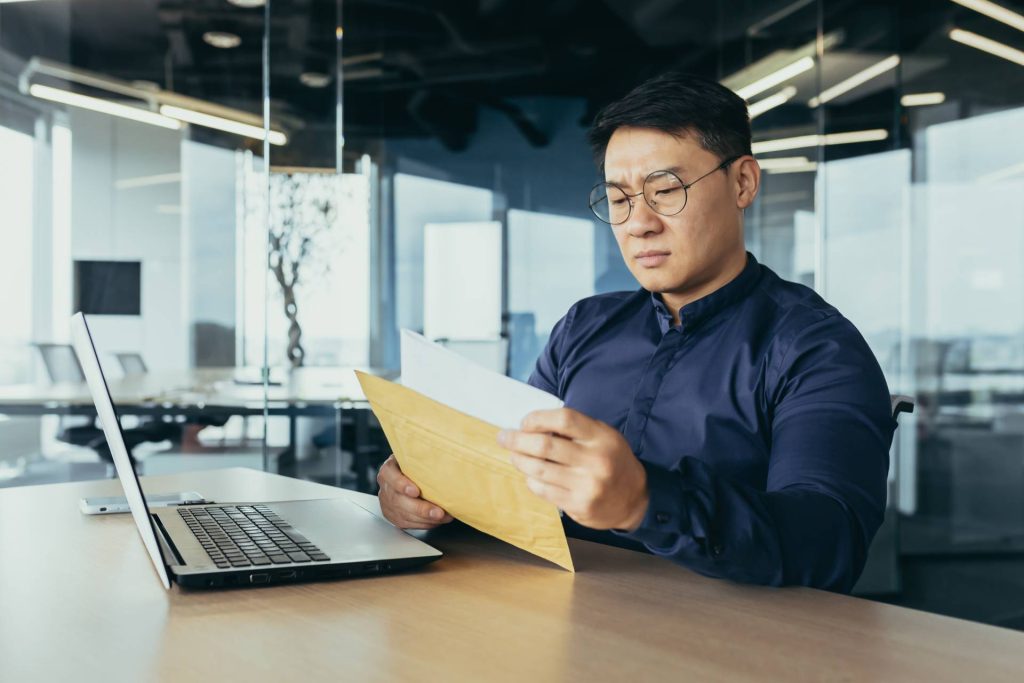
(831, 428)
(545, 375)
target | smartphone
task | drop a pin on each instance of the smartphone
(109, 506)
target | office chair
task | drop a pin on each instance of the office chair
(132, 363)
(62, 367)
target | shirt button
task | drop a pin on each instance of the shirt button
(716, 550)
(661, 518)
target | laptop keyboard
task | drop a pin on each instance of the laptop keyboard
(248, 536)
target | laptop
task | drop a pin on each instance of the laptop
(247, 544)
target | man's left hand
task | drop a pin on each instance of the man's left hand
(582, 465)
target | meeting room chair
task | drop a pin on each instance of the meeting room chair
(62, 366)
(131, 363)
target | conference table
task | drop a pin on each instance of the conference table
(332, 392)
(80, 601)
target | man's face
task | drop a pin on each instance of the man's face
(674, 254)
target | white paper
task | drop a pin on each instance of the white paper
(448, 378)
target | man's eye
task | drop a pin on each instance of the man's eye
(662, 193)
(618, 202)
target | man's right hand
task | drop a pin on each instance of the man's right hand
(401, 503)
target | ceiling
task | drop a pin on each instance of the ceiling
(428, 67)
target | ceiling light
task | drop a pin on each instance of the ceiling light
(994, 11)
(1002, 174)
(313, 79)
(147, 181)
(782, 162)
(776, 77)
(801, 168)
(921, 99)
(987, 45)
(248, 4)
(772, 101)
(96, 104)
(276, 137)
(803, 141)
(859, 78)
(222, 39)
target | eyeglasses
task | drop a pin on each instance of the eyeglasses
(663, 191)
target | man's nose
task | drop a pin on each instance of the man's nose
(643, 220)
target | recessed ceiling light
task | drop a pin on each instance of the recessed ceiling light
(222, 39)
(987, 45)
(314, 79)
(246, 4)
(921, 99)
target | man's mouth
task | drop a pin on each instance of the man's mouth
(651, 259)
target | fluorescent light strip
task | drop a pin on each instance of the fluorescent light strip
(994, 11)
(782, 162)
(1002, 174)
(45, 92)
(147, 181)
(987, 45)
(923, 98)
(803, 168)
(772, 101)
(803, 141)
(860, 78)
(276, 137)
(775, 78)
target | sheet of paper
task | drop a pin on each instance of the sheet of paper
(456, 461)
(448, 378)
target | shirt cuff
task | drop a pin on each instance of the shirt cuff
(665, 519)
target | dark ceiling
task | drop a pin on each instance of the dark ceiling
(427, 67)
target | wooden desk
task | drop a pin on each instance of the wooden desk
(79, 601)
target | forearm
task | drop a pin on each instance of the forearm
(719, 528)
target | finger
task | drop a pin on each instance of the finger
(544, 471)
(562, 421)
(418, 509)
(391, 474)
(538, 445)
(557, 495)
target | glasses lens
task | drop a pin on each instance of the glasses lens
(609, 203)
(665, 193)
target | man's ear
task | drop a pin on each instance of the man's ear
(748, 181)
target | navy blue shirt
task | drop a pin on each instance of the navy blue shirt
(763, 421)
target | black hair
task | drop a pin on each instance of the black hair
(678, 103)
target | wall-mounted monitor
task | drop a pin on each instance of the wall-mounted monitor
(108, 287)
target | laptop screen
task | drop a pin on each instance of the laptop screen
(90, 362)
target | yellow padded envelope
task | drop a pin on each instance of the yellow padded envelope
(456, 461)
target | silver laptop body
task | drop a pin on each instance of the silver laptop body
(245, 544)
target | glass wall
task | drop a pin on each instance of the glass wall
(161, 174)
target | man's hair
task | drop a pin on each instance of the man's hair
(678, 103)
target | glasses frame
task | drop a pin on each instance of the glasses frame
(630, 197)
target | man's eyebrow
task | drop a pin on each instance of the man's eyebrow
(678, 170)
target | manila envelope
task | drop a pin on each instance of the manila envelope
(456, 461)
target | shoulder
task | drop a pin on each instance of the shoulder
(795, 311)
(594, 311)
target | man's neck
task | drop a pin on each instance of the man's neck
(674, 301)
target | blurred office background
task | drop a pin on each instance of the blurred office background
(253, 196)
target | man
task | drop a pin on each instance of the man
(721, 417)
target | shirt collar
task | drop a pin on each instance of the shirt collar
(697, 311)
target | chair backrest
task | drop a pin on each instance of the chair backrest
(61, 362)
(901, 404)
(132, 363)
